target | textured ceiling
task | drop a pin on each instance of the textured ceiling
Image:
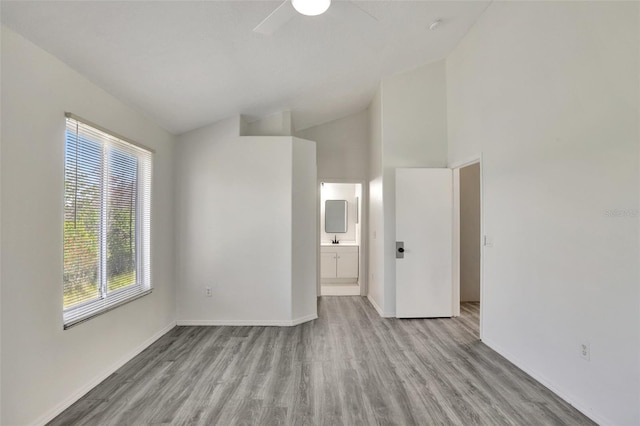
(186, 64)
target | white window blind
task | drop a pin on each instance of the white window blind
(107, 221)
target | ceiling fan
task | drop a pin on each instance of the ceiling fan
(290, 8)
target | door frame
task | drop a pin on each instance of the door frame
(363, 250)
(475, 159)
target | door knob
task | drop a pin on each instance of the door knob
(401, 250)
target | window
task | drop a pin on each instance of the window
(107, 206)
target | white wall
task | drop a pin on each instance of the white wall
(470, 233)
(278, 124)
(43, 367)
(548, 92)
(414, 134)
(234, 225)
(1, 138)
(414, 128)
(343, 147)
(304, 238)
(376, 212)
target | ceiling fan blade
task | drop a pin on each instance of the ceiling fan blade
(276, 19)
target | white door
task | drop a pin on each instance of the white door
(347, 264)
(328, 265)
(424, 208)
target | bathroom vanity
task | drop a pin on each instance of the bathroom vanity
(339, 261)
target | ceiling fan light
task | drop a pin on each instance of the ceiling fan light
(311, 7)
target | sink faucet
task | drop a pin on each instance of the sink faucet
(335, 240)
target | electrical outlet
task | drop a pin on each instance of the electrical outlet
(585, 351)
(208, 292)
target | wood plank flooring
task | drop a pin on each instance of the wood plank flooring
(349, 367)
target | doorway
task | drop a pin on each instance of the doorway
(468, 193)
(341, 238)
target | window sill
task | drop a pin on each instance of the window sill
(104, 310)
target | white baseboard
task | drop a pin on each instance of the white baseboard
(378, 308)
(53, 413)
(340, 290)
(566, 396)
(339, 281)
(304, 319)
(375, 305)
(248, 323)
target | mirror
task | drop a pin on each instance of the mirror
(335, 216)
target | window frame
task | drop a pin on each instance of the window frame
(107, 300)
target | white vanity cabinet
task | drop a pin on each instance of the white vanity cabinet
(339, 261)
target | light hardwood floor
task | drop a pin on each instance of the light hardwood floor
(349, 367)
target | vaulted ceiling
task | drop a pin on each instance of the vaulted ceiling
(186, 64)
